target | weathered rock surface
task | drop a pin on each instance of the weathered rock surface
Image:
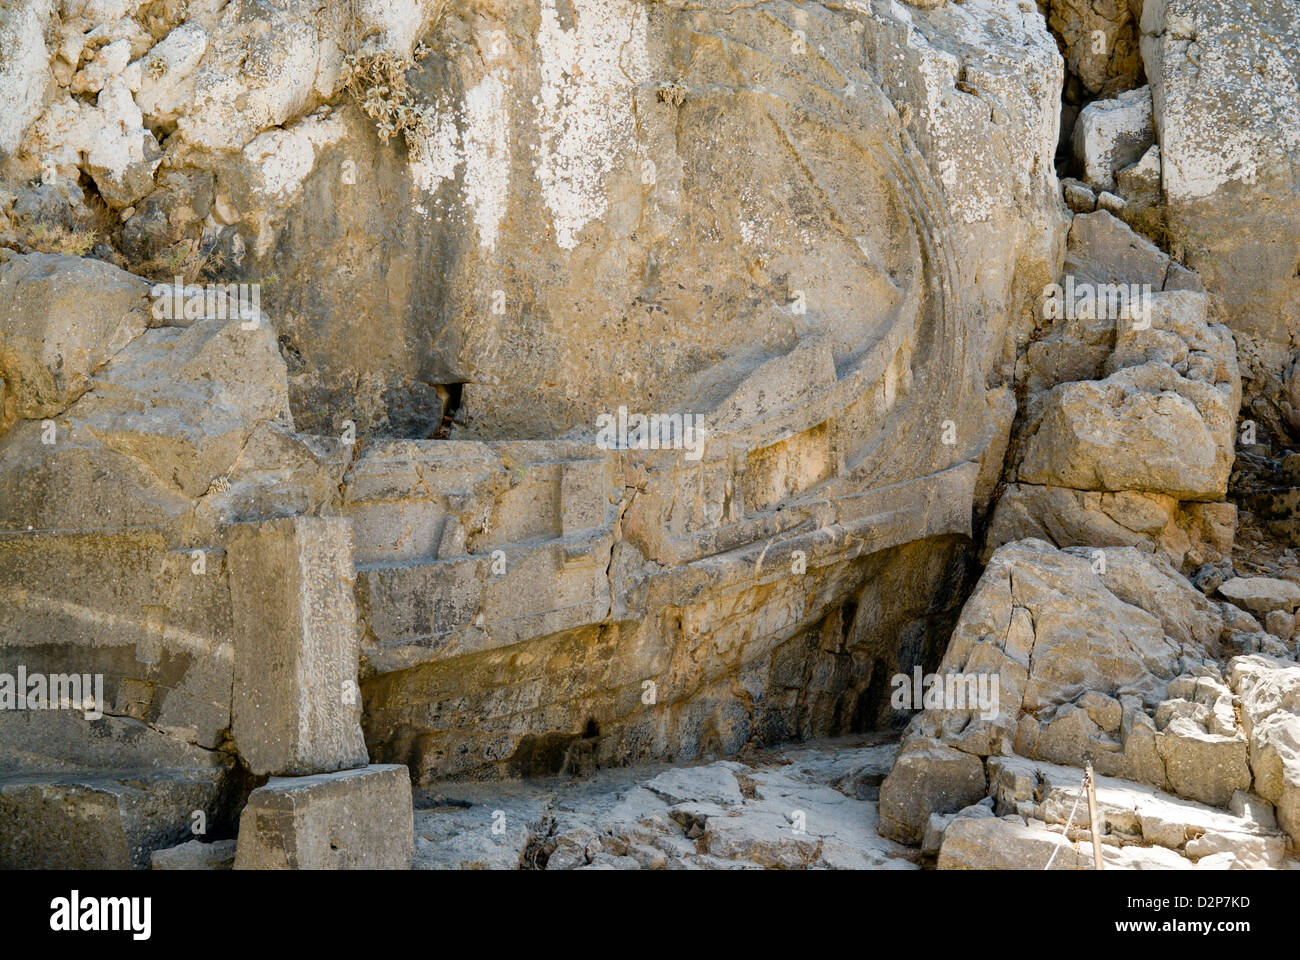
(518, 584)
(1129, 424)
(974, 99)
(1270, 704)
(1042, 818)
(110, 563)
(61, 319)
(1108, 656)
(1100, 42)
(810, 247)
(1111, 135)
(1205, 765)
(66, 741)
(615, 821)
(163, 420)
(928, 778)
(1138, 818)
(1055, 626)
(1143, 428)
(195, 855)
(157, 632)
(258, 133)
(1188, 534)
(103, 822)
(1014, 843)
(791, 809)
(1225, 84)
(480, 828)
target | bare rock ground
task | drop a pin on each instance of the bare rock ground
(807, 807)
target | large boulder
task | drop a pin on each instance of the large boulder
(1127, 435)
(165, 418)
(61, 319)
(1225, 86)
(1056, 624)
(1144, 428)
(1270, 704)
(1262, 595)
(1080, 649)
(1204, 765)
(1162, 421)
(1111, 135)
(927, 778)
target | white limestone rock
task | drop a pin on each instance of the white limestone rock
(1112, 134)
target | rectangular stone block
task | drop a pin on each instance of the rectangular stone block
(412, 602)
(352, 820)
(584, 495)
(396, 530)
(296, 706)
(103, 822)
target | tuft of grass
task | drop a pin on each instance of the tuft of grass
(183, 259)
(673, 93)
(49, 238)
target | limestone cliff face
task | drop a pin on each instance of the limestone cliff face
(1217, 136)
(395, 495)
(814, 233)
(1225, 81)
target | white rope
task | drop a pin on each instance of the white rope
(1069, 820)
